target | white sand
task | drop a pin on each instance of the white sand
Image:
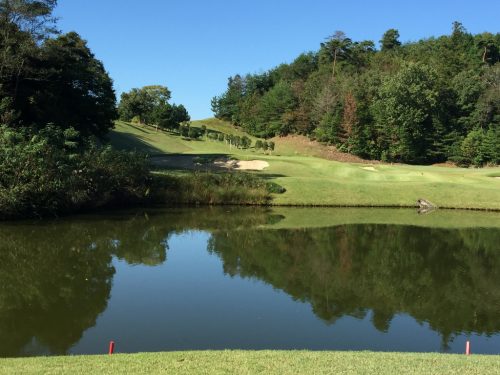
(251, 165)
(242, 165)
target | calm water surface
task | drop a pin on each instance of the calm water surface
(249, 279)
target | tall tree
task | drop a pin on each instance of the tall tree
(390, 40)
(350, 118)
(405, 110)
(226, 106)
(77, 90)
(338, 47)
(142, 103)
(23, 25)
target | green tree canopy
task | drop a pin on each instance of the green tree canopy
(390, 40)
(405, 110)
(50, 80)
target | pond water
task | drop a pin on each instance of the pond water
(247, 278)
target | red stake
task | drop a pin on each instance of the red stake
(467, 347)
(111, 347)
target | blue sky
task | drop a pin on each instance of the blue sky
(193, 46)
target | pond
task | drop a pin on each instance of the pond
(251, 278)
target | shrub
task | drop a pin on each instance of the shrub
(194, 133)
(53, 171)
(213, 188)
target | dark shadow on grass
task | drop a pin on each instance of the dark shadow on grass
(269, 176)
(193, 162)
(125, 141)
(136, 127)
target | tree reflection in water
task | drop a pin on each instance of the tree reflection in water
(447, 278)
(56, 276)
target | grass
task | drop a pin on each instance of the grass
(313, 181)
(256, 362)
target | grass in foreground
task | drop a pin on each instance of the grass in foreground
(315, 181)
(257, 362)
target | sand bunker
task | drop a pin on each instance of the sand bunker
(369, 169)
(199, 162)
(243, 165)
(253, 165)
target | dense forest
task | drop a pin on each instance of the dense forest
(429, 101)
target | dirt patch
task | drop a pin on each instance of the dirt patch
(447, 164)
(369, 169)
(498, 178)
(305, 146)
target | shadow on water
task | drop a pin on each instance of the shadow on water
(56, 276)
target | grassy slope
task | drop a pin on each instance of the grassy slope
(315, 181)
(257, 362)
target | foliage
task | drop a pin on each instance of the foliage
(46, 79)
(390, 40)
(410, 102)
(213, 188)
(150, 105)
(52, 171)
(404, 112)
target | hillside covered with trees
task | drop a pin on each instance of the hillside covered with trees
(429, 101)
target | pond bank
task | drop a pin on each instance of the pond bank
(254, 362)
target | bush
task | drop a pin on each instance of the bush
(194, 133)
(274, 188)
(53, 171)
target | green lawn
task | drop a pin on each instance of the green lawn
(256, 362)
(315, 181)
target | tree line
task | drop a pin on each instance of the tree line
(429, 101)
